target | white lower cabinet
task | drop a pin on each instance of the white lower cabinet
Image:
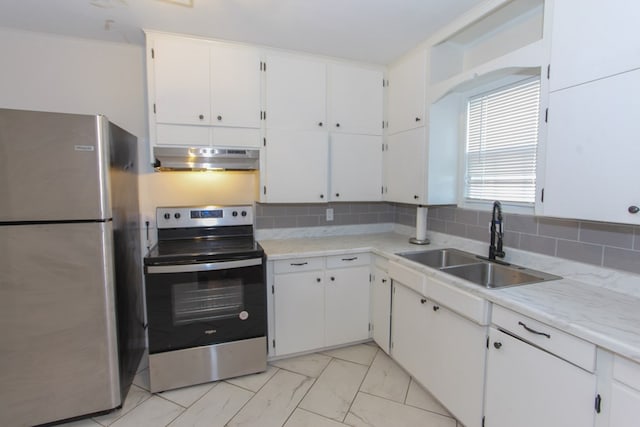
(529, 386)
(625, 393)
(442, 350)
(320, 302)
(381, 308)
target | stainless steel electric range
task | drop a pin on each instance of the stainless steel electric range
(206, 297)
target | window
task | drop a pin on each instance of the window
(502, 139)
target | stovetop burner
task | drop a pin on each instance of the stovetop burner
(203, 234)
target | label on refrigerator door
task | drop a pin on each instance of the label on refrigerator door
(84, 148)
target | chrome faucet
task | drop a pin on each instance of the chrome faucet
(495, 248)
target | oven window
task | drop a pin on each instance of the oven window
(207, 300)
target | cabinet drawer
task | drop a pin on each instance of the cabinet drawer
(626, 371)
(348, 260)
(463, 303)
(298, 264)
(412, 279)
(555, 341)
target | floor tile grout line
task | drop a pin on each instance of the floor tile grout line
(360, 386)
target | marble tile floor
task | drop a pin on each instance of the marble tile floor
(351, 386)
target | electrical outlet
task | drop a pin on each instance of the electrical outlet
(329, 214)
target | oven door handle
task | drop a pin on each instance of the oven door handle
(209, 266)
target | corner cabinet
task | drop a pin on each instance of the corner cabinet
(323, 131)
(381, 304)
(625, 393)
(537, 375)
(320, 302)
(434, 340)
(202, 92)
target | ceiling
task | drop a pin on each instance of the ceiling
(376, 31)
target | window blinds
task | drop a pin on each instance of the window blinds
(502, 137)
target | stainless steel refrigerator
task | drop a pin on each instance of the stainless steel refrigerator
(71, 303)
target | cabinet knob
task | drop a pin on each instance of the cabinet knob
(634, 209)
(436, 307)
(333, 279)
(322, 196)
(337, 194)
(418, 119)
(201, 116)
(384, 280)
(497, 345)
(219, 118)
(423, 300)
(320, 124)
(318, 279)
(337, 125)
(416, 197)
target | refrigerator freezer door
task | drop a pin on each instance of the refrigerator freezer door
(53, 166)
(58, 352)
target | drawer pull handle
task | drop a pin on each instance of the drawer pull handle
(299, 264)
(533, 331)
(350, 259)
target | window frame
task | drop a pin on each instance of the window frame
(496, 85)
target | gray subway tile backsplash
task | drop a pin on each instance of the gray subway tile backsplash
(603, 244)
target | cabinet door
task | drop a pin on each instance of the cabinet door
(405, 165)
(355, 100)
(299, 311)
(408, 328)
(625, 406)
(235, 86)
(454, 370)
(591, 151)
(296, 166)
(346, 305)
(527, 387)
(591, 40)
(407, 83)
(181, 72)
(356, 167)
(381, 309)
(296, 93)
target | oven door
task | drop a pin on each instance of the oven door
(191, 305)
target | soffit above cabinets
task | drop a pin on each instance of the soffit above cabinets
(376, 31)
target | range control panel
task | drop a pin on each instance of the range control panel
(204, 216)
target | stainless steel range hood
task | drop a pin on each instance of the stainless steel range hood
(205, 158)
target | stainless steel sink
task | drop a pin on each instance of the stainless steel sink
(441, 258)
(491, 275)
(471, 267)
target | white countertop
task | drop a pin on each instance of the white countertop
(602, 307)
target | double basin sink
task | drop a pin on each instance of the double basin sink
(482, 272)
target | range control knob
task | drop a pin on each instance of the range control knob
(244, 213)
(234, 213)
(167, 216)
(176, 215)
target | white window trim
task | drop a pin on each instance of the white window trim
(485, 205)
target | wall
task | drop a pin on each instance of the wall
(64, 74)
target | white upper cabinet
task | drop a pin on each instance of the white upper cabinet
(355, 100)
(591, 163)
(591, 40)
(296, 91)
(181, 81)
(235, 86)
(405, 166)
(407, 85)
(202, 92)
(356, 167)
(296, 169)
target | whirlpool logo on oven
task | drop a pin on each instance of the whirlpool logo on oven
(210, 331)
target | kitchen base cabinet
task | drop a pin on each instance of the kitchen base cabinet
(442, 350)
(528, 387)
(625, 393)
(381, 308)
(320, 302)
